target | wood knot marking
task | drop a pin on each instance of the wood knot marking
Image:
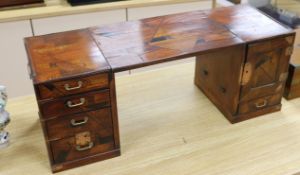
(200, 41)
(290, 39)
(161, 38)
(247, 72)
(184, 141)
(53, 65)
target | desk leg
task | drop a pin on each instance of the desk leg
(114, 110)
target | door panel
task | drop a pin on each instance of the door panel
(266, 70)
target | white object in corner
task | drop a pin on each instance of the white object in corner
(4, 118)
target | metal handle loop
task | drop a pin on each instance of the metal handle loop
(89, 146)
(79, 85)
(79, 122)
(258, 105)
(71, 105)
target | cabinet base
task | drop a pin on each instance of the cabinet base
(239, 117)
(87, 160)
(243, 117)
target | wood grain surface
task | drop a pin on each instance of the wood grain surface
(249, 61)
(136, 44)
(64, 55)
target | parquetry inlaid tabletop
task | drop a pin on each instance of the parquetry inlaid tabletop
(133, 44)
(136, 43)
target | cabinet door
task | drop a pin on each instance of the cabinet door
(13, 66)
(265, 71)
(71, 22)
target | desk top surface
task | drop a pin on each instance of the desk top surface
(134, 44)
(63, 55)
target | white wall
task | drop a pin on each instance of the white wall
(13, 59)
(71, 22)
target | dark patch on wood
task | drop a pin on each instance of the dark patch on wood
(161, 38)
(61, 157)
(103, 140)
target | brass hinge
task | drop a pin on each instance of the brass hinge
(83, 138)
(283, 76)
(290, 39)
(247, 72)
(289, 51)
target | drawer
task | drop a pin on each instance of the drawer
(74, 86)
(98, 120)
(80, 146)
(75, 104)
(260, 103)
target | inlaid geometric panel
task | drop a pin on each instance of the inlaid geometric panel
(137, 43)
(247, 22)
(61, 55)
(266, 69)
(156, 39)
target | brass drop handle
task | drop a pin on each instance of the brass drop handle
(79, 85)
(71, 105)
(89, 146)
(261, 105)
(79, 122)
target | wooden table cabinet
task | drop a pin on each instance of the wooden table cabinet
(77, 104)
(249, 87)
(241, 65)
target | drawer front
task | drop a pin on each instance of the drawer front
(74, 86)
(260, 103)
(75, 104)
(266, 67)
(73, 148)
(98, 120)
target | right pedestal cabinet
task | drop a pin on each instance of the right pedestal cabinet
(244, 89)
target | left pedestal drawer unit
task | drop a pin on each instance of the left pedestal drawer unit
(75, 91)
